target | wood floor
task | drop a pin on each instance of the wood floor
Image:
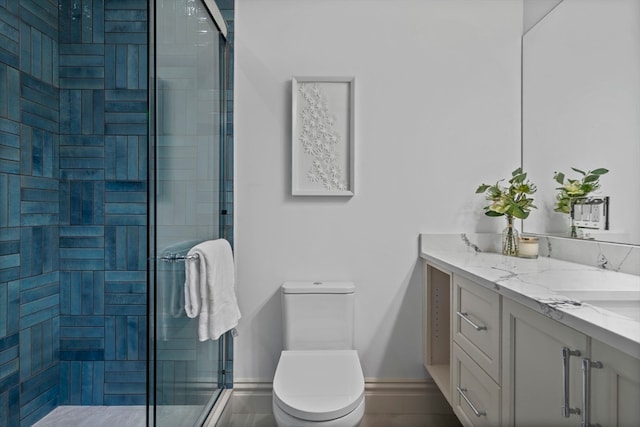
(369, 420)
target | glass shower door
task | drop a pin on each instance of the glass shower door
(189, 51)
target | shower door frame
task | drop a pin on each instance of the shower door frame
(225, 346)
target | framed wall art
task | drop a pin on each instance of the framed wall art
(322, 160)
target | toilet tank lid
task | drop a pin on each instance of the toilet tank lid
(318, 287)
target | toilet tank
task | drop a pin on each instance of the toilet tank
(318, 315)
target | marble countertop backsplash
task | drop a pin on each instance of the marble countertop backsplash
(555, 283)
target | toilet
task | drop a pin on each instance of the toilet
(318, 381)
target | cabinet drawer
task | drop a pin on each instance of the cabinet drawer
(475, 396)
(476, 324)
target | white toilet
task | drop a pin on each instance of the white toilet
(318, 381)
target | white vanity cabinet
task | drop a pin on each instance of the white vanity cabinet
(501, 363)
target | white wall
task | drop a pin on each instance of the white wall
(438, 111)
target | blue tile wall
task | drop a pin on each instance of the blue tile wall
(29, 211)
(102, 207)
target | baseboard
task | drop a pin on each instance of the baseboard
(389, 396)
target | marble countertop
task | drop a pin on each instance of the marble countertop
(556, 288)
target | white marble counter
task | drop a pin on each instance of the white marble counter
(547, 285)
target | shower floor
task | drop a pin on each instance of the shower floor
(119, 416)
(95, 416)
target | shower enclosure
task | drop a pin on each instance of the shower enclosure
(114, 160)
(187, 201)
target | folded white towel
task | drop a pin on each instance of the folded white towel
(209, 289)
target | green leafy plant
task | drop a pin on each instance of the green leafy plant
(512, 201)
(575, 188)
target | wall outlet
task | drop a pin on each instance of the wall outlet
(591, 212)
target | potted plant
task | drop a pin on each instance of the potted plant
(510, 201)
(571, 189)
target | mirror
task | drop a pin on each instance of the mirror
(581, 108)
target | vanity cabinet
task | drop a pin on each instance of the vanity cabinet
(500, 363)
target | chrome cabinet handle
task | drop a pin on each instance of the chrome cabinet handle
(461, 392)
(566, 354)
(586, 391)
(464, 316)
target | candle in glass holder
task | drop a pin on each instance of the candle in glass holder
(528, 247)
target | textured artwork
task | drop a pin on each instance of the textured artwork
(322, 146)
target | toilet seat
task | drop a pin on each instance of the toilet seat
(318, 385)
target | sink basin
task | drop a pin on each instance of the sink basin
(622, 302)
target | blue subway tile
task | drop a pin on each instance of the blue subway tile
(98, 292)
(125, 208)
(87, 383)
(124, 299)
(98, 21)
(81, 72)
(81, 344)
(120, 400)
(81, 332)
(125, 220)
(81, 253)
(83, 242)
(125, 276)
(30, 220)
(82, 231)
(39, 195)
(25, 48)
(81, 264)
(125, 26)
(124, 388)
(126, 287)
(81, 354)
(82, 321)
(13, 205)
(125, 310)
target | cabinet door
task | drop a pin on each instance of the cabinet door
(532, 376)
(615, 388)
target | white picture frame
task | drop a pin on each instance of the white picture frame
(322, 136)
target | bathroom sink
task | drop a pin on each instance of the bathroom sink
(622, 302)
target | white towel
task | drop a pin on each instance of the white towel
(209, 290)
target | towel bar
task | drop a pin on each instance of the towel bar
(177, 257)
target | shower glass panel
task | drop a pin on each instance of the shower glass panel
(189, 51)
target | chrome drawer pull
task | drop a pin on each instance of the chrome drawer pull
(464, 317)
(567, 410)
(587, 364)
(461, 392)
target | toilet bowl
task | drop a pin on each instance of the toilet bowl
(320, 388)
